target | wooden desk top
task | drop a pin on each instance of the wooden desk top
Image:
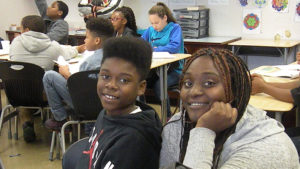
(265, 43)
(159, 62)
(4, 57)
(220, 40)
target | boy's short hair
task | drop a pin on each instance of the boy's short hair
(133, 50)
(34, 23)
(100, 27)
(64, 8)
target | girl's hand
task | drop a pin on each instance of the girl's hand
(220, 117)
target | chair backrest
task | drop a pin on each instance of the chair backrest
(23, 83)
(83, 90)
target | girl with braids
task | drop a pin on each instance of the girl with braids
(216, 127)
(164, 35)
(123, 20)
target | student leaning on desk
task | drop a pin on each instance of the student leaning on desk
(287, 92)
(33, 46)
(55, 84)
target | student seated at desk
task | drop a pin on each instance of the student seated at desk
(33, 46)
(164, 36)
(55, 84)
(127, 133)
(287, 92)
(56, 27)
(216, 127)
(123, 20)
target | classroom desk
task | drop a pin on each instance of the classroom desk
(162, 64)
(192, 45)
(4, 57)
(285, 44)
(269, 103)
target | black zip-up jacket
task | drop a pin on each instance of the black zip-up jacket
(131, 141)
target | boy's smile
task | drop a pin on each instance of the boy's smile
(118, 86)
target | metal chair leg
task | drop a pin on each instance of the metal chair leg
(57, 146)
(52, 146)
(16, 127)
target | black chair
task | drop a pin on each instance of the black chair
(83, 90)
(24, 89)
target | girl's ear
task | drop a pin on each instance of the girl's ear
(165, 18)
(124, 21)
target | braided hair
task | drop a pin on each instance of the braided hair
(129, 15)
(237, 84)
(161, 10)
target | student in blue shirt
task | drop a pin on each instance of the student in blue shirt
(164, 36)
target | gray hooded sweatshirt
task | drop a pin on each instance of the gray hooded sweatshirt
(37, 48)
(258, 142)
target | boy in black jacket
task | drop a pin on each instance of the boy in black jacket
(127, 133)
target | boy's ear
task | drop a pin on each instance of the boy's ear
(142, 87)
(60, 13)
(98, 41)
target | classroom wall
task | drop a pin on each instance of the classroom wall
(225, 20)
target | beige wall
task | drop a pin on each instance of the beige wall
(224, 20)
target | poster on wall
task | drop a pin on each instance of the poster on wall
(243, 3)
(251, 21)
(280, 6)
(218, 2)
(260, 3)
(297, 11)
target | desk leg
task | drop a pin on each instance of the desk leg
(232, 49)
(278, 116)
(285, 55)
(163, 92)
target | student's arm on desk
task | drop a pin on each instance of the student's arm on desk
(280, 91)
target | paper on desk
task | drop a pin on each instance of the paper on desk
(162, 55)
(5, 47)
(61, 61)
(274, 71)
(289, 67)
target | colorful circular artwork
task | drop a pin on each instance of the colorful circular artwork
(280, 5)
(251, 21)
(260, 3)
(244, 2)
(298, 9)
